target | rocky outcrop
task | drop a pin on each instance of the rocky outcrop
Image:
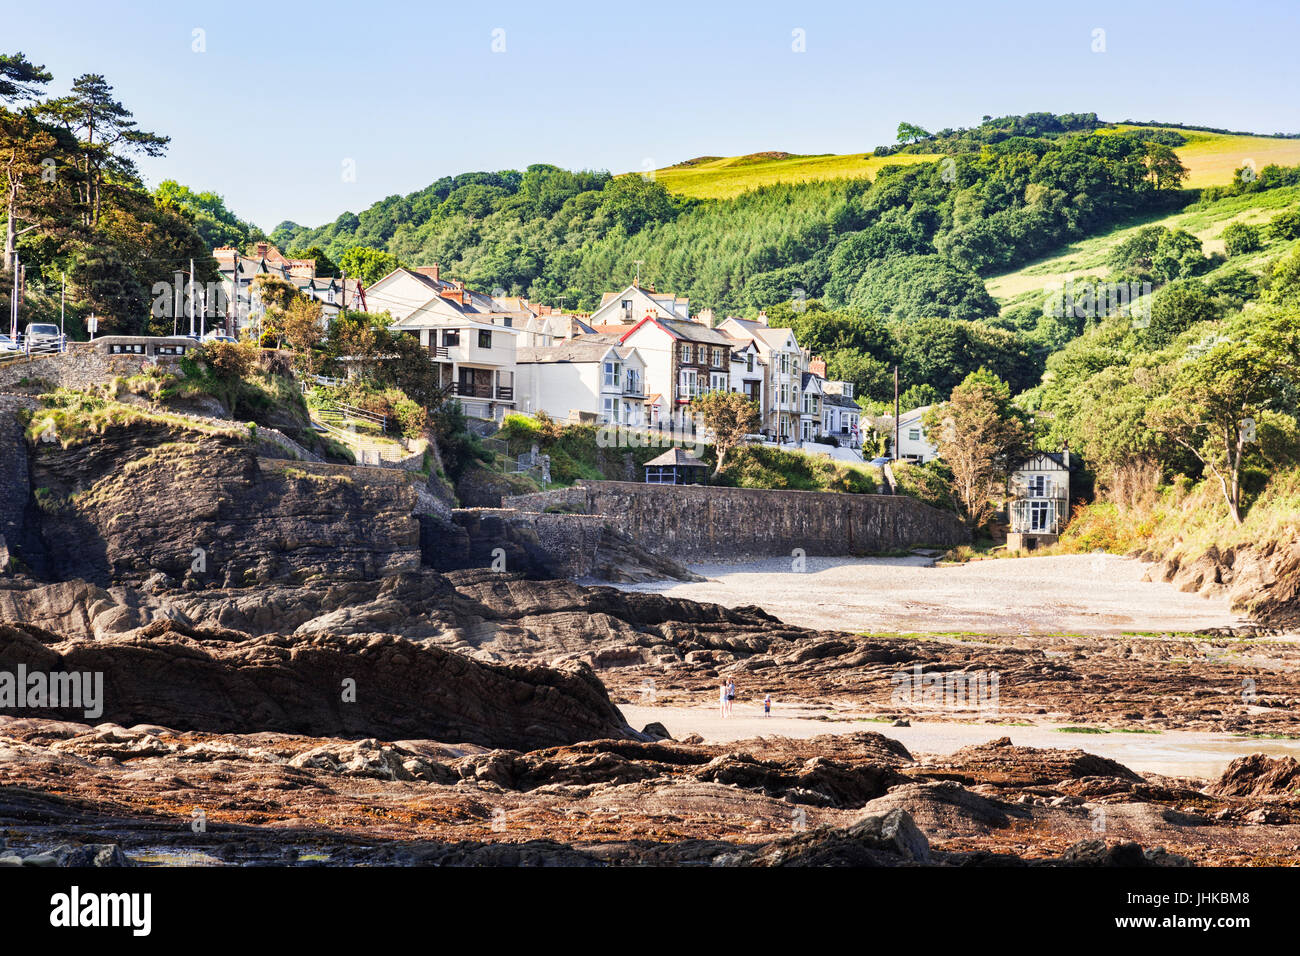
(319, 685)
(204, 510)
(1001, 764)
(1261, 777)
(1261, 579)
(540, 545)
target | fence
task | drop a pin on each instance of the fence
(29, 347)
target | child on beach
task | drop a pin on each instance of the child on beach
(767, 705)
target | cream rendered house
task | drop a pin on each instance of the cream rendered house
(634, 303)
(583, 378)
(475, 357)
(1039, 508)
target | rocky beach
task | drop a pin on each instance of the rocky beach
(324, 687)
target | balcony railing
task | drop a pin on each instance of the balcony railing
(438, 351)
(470, 390)
(1051, 489)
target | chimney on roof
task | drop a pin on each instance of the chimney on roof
(636, 282)
(262, 247)
(762, 318)
(817, 366)
(430, 271)
(1065, 454)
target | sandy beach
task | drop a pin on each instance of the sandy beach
(1059, 594)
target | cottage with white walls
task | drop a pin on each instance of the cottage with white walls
(1039, 492)
(475, 358)
(583, 378)
(914, 444)
(634, 303)
(840, 413)
(404, 291)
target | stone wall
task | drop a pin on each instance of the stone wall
(702, 523)
(81, 366)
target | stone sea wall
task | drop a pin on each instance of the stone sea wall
(700, 523)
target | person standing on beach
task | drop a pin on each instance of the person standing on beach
(722, 698)
(731, 695)
(767, 705)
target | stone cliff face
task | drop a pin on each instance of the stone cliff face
(1262, 580)
(543, 546)
(205, 510)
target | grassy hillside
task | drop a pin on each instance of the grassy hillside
(712, 177)
(1087, 257)
(1211, 158)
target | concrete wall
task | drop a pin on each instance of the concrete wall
(700, 523)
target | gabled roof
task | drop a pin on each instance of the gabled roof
(773, 338)
(676, 457)
(916, 414)
(838, 399)
(574, 351)
(1057, 457)
(683, 330)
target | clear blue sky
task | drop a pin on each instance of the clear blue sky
(285, 93)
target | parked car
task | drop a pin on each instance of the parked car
(41, 332)
(8, 345)
(219, 337)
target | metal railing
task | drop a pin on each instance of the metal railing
(28, 346)
(504, 393)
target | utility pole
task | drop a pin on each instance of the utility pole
(895, 456)
(63, 295)
(191, 300)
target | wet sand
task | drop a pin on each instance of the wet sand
(1173, 753)
(1078, 594)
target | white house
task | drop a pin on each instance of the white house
(634, 303)
(1039, 492)
(475, 357)
(582, 376)
(403, 291)
(840, 413)
(913, 442)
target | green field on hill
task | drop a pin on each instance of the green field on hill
(1210, 159)
(1088, 256)
(713, 177)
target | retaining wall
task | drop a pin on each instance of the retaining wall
(701, 523)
